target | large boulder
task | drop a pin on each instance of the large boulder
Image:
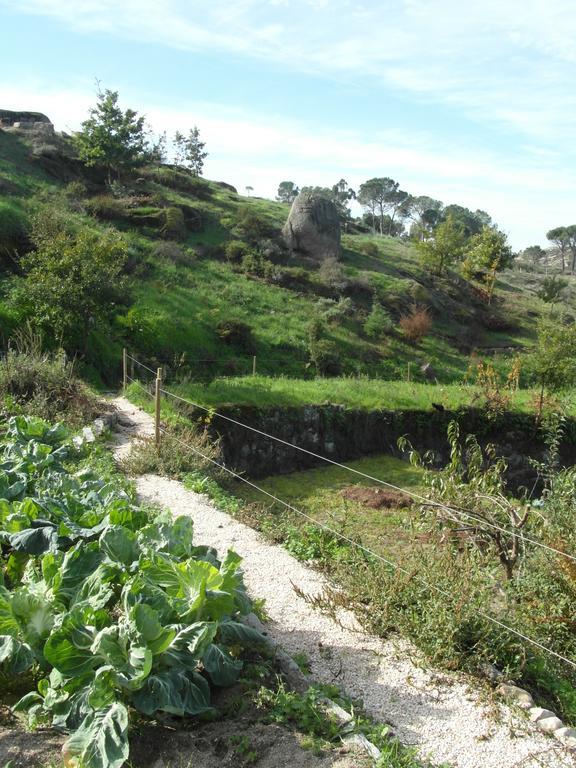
(313, 227)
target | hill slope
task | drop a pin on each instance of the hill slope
(205, 307)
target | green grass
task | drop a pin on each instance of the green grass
(175, 308)
(317, 493)
(361, 393)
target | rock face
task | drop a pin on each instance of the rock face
(10, 119)
(313, 227)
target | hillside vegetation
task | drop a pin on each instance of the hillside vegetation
(199, 281)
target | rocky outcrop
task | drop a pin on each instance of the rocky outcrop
(313, 227)
(11, 119)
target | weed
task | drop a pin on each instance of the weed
(244, 750)
(303, 662)
(416, 324)
(179, 453)
(42, 383)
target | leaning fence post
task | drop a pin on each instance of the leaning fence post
(254, 365)
(157, 402)
(124, 369)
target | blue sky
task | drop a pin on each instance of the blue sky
(473, 104)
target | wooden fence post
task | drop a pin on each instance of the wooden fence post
(157, 402)
(124, 369)
(254, 365)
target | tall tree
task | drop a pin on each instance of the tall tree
(111, 137)
(189, 151)
(471, 222)
(424, 213)
(380, 196)
(561, 239)
(287, 192)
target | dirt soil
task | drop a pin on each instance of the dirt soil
(376, 498)
(234, 743)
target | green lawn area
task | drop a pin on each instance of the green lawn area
(318, 493)
(353, 392)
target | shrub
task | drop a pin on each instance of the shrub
(378, 323)
(174, 253)
(331, 273)
(252, 226)
(43, 384)
(235, 250)
(323, 352)
(551, 289)
(12, 230)
(236, 333)
(73, 282)
(174, 226)
(369, 248)
(417, 324)
(105, 207)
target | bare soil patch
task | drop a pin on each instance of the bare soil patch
(377, 498)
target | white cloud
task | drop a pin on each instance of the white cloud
(507, 61)
(527, 197)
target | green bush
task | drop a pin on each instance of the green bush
(172, 252)
(235, 250)
(174, 227)
(236, 334)
(251, 226)
(552, 288)
(378, 323)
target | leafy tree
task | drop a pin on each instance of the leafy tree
(561, 239)
(487, 253)
(534, 254)
(287, 192)
(381, 196)
(73, 282)
(445, 247)
(472, 222)
(189, 151)
(343, 193)
(393, 228)
(424, 212)
(111, 137)
(554, 359)
(340, 194)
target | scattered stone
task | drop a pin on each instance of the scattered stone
(567, 736)
(517, 696)
(491, 672)
(313, 227)
(339, 713)
(537, 713)
(549, 724)
(359, 740)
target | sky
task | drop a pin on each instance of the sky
(470, 103)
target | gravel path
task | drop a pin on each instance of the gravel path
(444, 716)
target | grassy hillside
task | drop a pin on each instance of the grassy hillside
(196, 306)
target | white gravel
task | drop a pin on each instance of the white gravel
(445, 716)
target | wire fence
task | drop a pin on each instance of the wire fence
(480, 522)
